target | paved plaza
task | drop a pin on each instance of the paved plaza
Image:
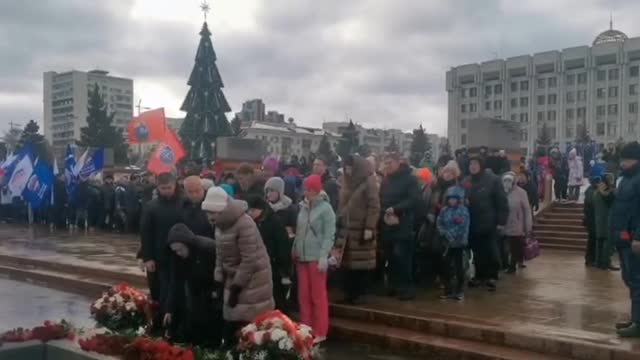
(556, 295)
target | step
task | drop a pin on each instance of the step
(104, 275)
(561, 228)
(562, 216)
(561, 241)
(561, 234)
(563, 247)
(427, 346)
(559, 222)
(558, 205)
(91, 288)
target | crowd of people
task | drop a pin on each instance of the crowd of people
(220, 250)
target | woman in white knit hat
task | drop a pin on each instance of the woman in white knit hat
(243, 268)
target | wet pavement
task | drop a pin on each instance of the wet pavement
(26, 305)
(555, 295)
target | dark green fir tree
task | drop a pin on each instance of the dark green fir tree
(40, 146)
(100, 131)
(205, 104)
(324, 148)
(349, 143)
(420, 145)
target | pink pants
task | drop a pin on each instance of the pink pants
(312, 297)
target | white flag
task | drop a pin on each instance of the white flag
(20, 176)
(80, 163)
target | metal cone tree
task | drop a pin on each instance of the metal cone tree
(205, 104)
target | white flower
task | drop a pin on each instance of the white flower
(262, 355)
(229, 356)
(130, 306)
(305, 331)
(277, 334)
(258, 336)
(141, 331)
(119, 299)
(249, 328)
(285, 344)
(98, 303)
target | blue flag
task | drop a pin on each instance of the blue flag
(10, 165)
(93, 164)
(71, 180)
(39, 185)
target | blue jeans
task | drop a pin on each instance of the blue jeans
(630, 267)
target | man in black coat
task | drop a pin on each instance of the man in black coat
(276, 240)
(249, 183)
(159, 216)
(489, 209)
(109, 202)
(329, 183)
(399, 197)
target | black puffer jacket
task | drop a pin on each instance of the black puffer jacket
(158, 217)
(488, 205)
(401, 192)
(196, 220)
(275, 238)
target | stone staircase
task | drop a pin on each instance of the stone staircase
(560, 227)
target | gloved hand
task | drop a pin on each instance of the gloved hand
(285, 281)
(323, 264)
(368, 235)
(234, 293)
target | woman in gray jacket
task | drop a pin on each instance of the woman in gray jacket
(519, 223)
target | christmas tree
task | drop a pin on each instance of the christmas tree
(349, 143)
(100, 131)
(205, 103)
(40, 146)
(420, 146)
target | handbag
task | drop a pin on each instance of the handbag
(531, 248)
(391, 219)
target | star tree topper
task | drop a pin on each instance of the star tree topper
(204, 6)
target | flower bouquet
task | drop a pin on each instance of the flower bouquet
(48, 331)
(148, 349)
(105, 344)
(122, 308)
(273, 336)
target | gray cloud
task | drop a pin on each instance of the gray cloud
(380, 62)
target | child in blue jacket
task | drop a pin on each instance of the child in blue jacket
(453, 228)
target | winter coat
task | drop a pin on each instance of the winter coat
(242, 262)
(276, 240)
(256, 189)
(109, 197)
(286, 211)
(520, 219)
(428, 234)
(589, 211)
(331, 188)
(498, 164)
(316, 230)
(453, 222)
(132, 201)
(602, 206)
(158, 218)
(532, 192)
(191, 287)
(401, 192)
(488, 204)
(60, 197)
(359, 211)
(576, 170)
(196, 219)
(625, 212)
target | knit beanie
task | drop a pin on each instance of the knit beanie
(631, 151)
(216, 200)
(313, 183)
(275, 184)
(228, 189)
(425, 175)
(452, 166)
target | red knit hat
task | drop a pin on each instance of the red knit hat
(313, 183)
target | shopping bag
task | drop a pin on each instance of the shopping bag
(531, 248)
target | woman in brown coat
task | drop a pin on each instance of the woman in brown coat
(359, 211)
(242, 267)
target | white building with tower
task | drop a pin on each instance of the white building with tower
(592, 86)
(65, 100)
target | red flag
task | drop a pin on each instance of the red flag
(167, 154)
(149, 126)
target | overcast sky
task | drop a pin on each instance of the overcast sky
(380, 62)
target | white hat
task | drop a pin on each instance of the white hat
(216, 200)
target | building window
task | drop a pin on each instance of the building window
(463, 92)
(568, 131)
(612, 129)
(633, 71)
(497, 105)
(613, 74)
(514, 86)
(613, 91)
(582, 113)
(540, 116)
(552, 82)
(463, 108)
(571, 79)
(463, 139)
(473, 108)
(552, 99)
(582, 78)
(602, 75)
(514, 103)
(600, 110)
(633, 89)
(601, 93)
(463, 123)
(524, 85)
(524, 135)
(541, 99)
(524, 117)
(570, 113)
(542, 83)
(551, 115)
(514, 117)
(613, 109)
(552, 132)
(487, 105)
(473, 92)
(633, 108)
(487, 90)
(571, 97)
(497, 89)
(632, 126)
(600, 129)
(582, 95)
(524, 102)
